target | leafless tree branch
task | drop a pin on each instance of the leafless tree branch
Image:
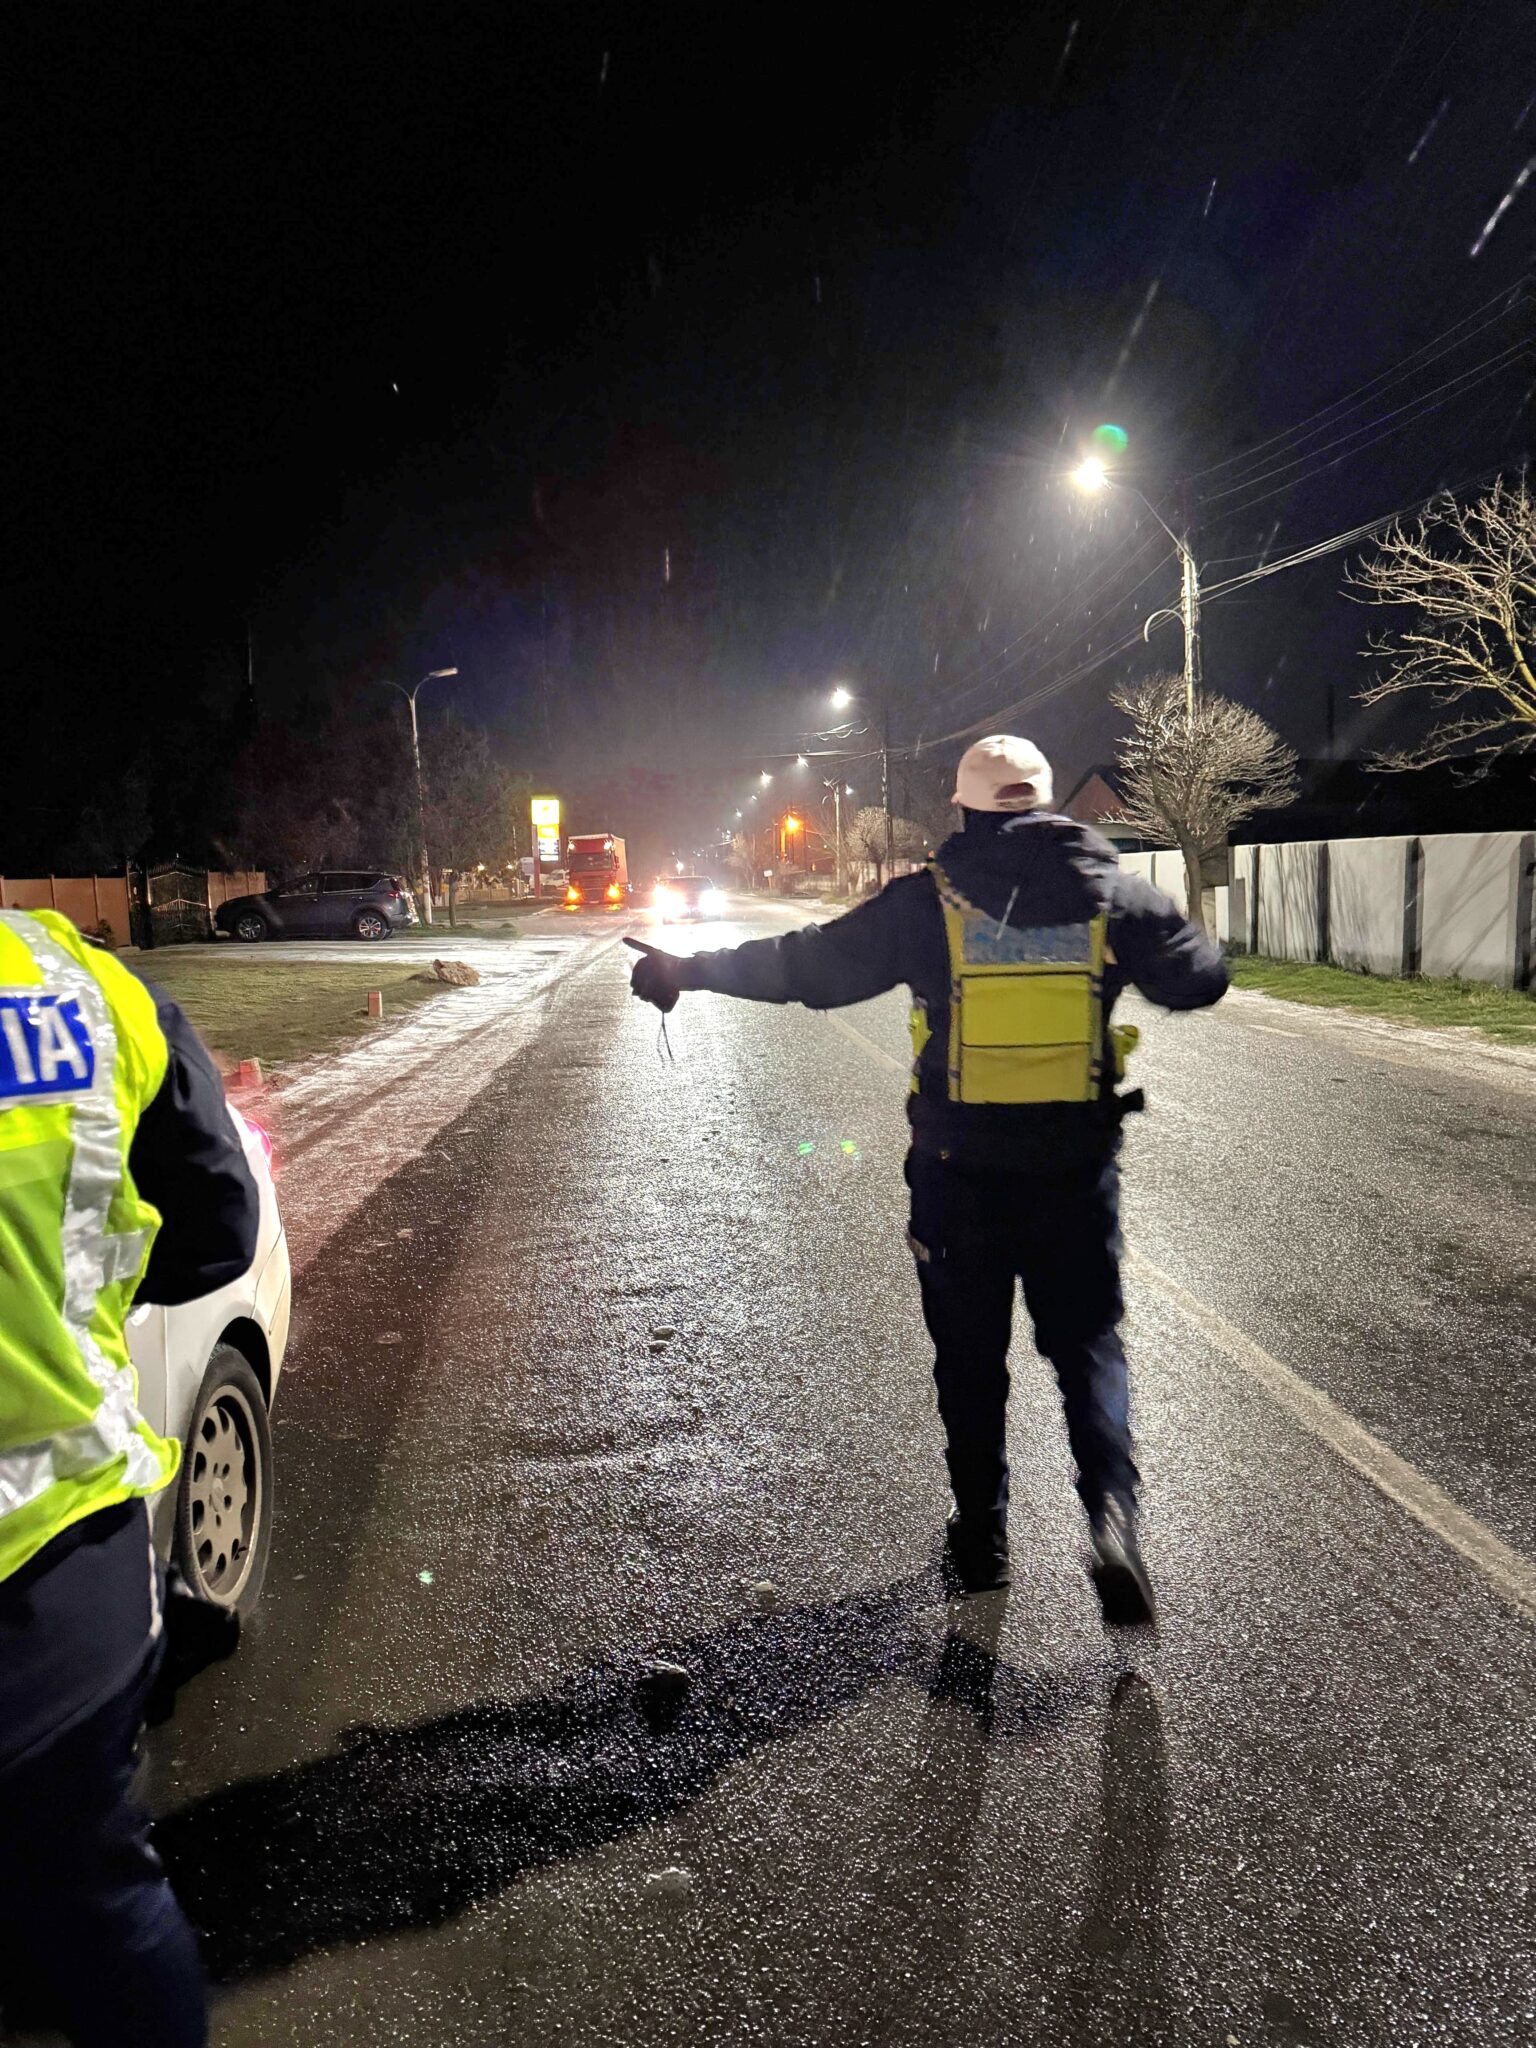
(1469, 573)
(1188, 780)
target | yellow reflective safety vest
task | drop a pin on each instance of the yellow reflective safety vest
(81, 1057)
(1026, 1008)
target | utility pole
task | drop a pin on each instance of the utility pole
(1092, 476)
(1189, 606)
(885, 787)
(423, 864)
(836, 788)
(1187, 610)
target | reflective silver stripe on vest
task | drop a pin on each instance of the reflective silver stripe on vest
(93, 1256)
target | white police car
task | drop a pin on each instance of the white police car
(208, 1371)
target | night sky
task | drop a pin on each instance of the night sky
(659, 367)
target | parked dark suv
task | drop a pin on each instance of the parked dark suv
(362, 904)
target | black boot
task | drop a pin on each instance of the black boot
(975, 1556)
(1119, 1574)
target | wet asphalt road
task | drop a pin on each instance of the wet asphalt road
(646, 1379)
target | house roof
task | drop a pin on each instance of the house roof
(1094, 799)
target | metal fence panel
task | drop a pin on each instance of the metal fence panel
(1290, 921)
(1366, 880)
(1471, 905)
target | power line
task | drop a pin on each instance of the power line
(1415, 408)
(1008, 656)
(1431, 351)
(1379, 428)
(1333, 544)
(951, 702)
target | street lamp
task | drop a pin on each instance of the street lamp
(839, 790)
(842, 698)
(1092, 476)
(432, 676)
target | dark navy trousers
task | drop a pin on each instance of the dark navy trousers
(91, 1937)
(977, 1234)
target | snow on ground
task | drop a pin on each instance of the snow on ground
(342, 1123)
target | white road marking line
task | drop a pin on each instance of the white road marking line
(1511, 1574)
(866, 1044)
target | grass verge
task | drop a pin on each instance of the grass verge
(476, 920)
(1505, 1015)
(275, 1010)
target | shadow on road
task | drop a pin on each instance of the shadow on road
(405, 1827)
(1122, 1974)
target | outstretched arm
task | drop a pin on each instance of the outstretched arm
(823, 966)
(1170, 960)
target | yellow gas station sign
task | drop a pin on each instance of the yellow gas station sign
(545, 812)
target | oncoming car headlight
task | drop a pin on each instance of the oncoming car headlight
(711, 903)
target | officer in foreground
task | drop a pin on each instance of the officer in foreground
(1016, 943)
(113, 1128)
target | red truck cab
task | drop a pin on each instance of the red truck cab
(597, 875)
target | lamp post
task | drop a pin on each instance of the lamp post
(421, 795)
(839, 790)
(842, 698)
(1092, 476)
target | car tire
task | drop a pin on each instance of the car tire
(224, 1501)
(371, 924)
(250, 926)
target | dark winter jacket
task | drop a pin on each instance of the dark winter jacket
(186, 1158)
(1050, 870)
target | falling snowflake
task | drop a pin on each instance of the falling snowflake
(1522, 178)
(1434, 123)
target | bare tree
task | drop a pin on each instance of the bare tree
(741, 862)
(1187, 780)
(1469, 572)
(864, 838)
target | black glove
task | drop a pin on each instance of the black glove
(657, 978)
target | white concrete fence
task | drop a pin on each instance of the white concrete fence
(1449, 903)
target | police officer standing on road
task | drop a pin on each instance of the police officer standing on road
(112, 1118)
(1016, 942)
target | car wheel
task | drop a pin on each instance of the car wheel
(224, 1503)
(250, 925)
(371, 924)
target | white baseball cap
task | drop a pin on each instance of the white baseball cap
(1003, 773)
